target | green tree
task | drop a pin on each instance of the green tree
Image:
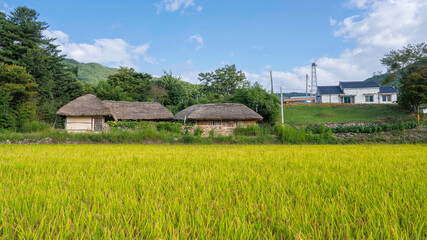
(105, 91)
(17, 83)
(258, 99)
(407, 67)
(175, 89)
(135, 85)
(397, 61)
(17, 91)
(413, 90)
(22, 43)
(223, 82)
(6, 111)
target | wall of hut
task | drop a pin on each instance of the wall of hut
(84, 124)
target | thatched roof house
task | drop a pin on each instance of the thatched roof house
(87, 105)
(88, 113)
(146, 111)
(229, 114)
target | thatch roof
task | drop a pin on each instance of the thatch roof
(138, 110)
(223, 111)
(87, 105)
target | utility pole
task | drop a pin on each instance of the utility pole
(271, 78)
(281, 104)
(306, 87)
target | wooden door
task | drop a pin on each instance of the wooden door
(97, 124)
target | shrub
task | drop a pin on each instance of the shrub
(254, 130)
(35, 126)
(198, 131)
(174, 127)
(212, 133)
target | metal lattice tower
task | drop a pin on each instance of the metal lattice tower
(313, 81)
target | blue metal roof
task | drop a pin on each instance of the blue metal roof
(387, 89)
(329, 90)
(359, 84)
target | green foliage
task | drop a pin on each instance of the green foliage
(36, 126)
(92, 73)
(224, 81)
(198, 131)
(289, 134)
(17, 84)
(212, 133)
(22, 43)
(174, 127)
(258, 99)
(6, 111)
(413, 90)
(105, 91)
(254, 130)
(397, 61)
(135, 85)
(174, 87)
(382, 127)
(341, 113)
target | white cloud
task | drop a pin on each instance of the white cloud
(6, 7)
(381, 26)
(189, 62)
(197, 39)
(174, 5)
(111, 52)
(191, 77)
(257, 47)
(332, 21)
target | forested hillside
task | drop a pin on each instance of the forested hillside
(91, 72)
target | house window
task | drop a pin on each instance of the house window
(369, 98)
(347, 99)
(386, 98)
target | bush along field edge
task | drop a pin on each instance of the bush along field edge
(177, 133)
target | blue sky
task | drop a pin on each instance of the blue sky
(346, 38)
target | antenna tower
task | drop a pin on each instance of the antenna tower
(313, 81)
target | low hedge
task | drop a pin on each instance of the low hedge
(382, 127)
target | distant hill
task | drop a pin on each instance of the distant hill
(91, 72)
(377, 78)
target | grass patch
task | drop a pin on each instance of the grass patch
(212, 192)
(326, 115)
(342, 113)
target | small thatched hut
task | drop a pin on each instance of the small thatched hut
(141, 111)
(224, 114)
(88, 113)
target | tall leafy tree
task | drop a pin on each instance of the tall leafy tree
(413, 91)
(223, 82)
(24, 44)
(175, 89)
(17, 89)
(135, 85)
(259, 100)
(397, 61)
(407, 67)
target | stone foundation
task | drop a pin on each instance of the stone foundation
(219, 130)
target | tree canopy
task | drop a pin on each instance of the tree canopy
(22, 43)
(397, 61)
(223, 81)
(408, 66)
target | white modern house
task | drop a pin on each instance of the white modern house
(356, 92)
